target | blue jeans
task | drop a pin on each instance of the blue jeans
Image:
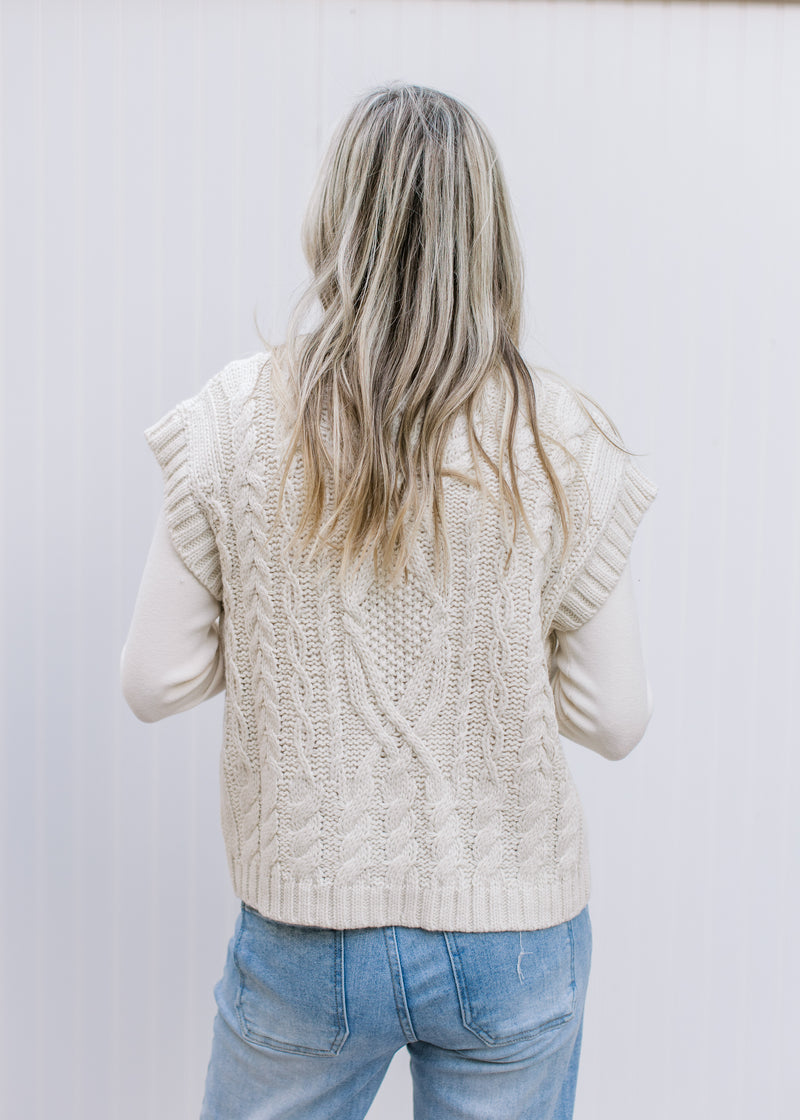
(309, 1020)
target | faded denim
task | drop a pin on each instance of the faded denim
(309, 1019)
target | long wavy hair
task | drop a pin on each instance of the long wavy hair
(416, 265)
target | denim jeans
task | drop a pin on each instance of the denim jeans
(308, 1020)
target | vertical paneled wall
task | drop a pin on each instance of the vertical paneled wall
(156, 160)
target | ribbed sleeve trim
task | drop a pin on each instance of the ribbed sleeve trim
(600, 573)
(188, 524)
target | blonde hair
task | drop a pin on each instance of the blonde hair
(416, 264)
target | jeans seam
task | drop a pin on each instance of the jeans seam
(398, 986)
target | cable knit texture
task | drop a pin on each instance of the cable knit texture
(391, 756)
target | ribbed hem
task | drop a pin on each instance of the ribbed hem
(188, 525)
(490, 907)
(600, 574)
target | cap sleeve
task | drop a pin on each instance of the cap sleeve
(185, 503)
(609, 496)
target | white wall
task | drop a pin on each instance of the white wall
(156, 160)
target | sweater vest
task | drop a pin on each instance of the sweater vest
(391, 755)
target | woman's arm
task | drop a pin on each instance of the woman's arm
(602, 694)
(172, 659)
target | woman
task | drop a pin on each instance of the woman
(404, 555)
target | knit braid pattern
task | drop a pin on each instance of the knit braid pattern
(391, 755)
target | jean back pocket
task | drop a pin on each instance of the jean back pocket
(290, 992)
(515, 985)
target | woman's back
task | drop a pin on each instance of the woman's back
(391, 753)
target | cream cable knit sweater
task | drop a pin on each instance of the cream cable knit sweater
(392, 757)
(172, 658)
